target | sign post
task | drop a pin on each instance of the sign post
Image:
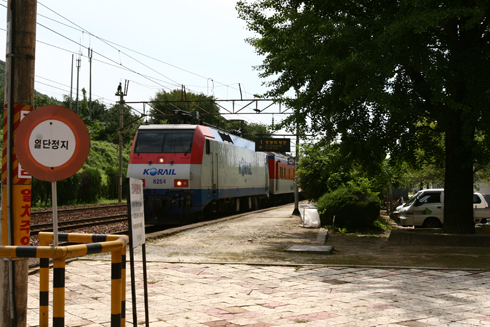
(136, 226)
(52, 143)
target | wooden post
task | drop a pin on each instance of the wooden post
(19, 90)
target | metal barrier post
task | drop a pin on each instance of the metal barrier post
(116, 288)
(59, 293)
(44, 289)
(123, 288)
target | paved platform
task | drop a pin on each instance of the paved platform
(250, 295)
(234, 273)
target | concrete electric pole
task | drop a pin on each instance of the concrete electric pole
(121, 93)
(16, 187)
(79, 64)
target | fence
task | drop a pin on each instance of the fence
(97, 243)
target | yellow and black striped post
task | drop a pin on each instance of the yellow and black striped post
(116, 285)
(44, 288)
(123, 287)
(59, 293)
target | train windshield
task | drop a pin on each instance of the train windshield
(164, 141)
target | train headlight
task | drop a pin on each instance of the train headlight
(181, 183)
(161, 160)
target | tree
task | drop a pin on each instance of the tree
(165, 103)
(322, 168)
(253, 131)
(368, 73)
(110, 131)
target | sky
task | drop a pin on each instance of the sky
(155, 44)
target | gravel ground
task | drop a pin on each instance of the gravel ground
(262, 237)
(43, 216)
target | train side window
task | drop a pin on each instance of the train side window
(208, 147)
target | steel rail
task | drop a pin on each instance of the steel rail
(79, 209)
(78, 223)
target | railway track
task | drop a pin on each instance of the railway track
(78, 223)
(90, 219)
(64, 211)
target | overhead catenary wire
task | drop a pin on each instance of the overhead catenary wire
(110, 43)
(115, 63)
(103, 56)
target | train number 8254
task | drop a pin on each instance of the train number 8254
(159, 181)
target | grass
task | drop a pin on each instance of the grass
(379, 228)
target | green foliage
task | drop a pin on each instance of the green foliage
(94, 128)
(112, 174)
(162, 109)
(383, 78)
(110, 132)
(253, 131)
(323, 168)
(104, 156)
(2, 74)
(67, 190)
(41, 100)
(354, 206)
(40, 192)
(89, 189)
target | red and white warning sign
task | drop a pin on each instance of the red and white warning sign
(52, 143)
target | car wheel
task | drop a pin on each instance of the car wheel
(432, 223)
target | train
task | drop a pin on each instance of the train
(193, 171)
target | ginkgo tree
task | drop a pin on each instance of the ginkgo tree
(368, 72)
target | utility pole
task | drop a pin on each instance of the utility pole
(121, 95)
(16, 188)
(71, 84)
(296, 191)
(79, 64)
(90, 53)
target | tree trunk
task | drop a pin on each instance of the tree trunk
(458, 185)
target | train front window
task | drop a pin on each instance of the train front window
(164, 141)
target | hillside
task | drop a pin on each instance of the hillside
(2, 74)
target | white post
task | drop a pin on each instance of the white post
(54, 201)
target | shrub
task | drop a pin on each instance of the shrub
(113, 182)
(40, 192)
(90, 186)
(66, 190)
(354, 207)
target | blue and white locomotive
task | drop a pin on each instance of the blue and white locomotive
(193, 170)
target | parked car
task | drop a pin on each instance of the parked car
(426, 209)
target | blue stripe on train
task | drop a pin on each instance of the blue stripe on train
(201, 198)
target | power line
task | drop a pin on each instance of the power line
(103, 62)
(86, 31)
(81, 29)
(81, 45)
(137, 52)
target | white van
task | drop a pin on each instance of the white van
(426, 209)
